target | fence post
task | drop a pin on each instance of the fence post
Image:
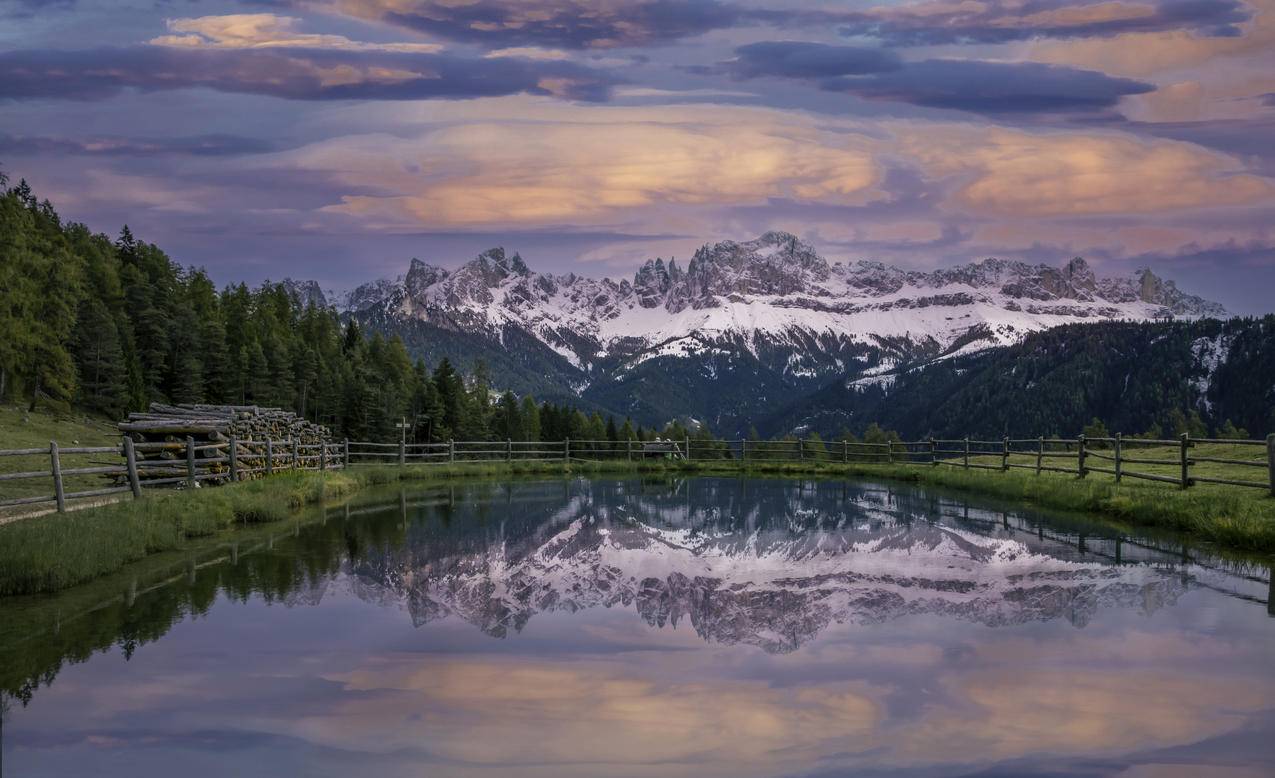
(509, 450)
(190, 462)
(1005, 454)
(1080, 457)
(1040, 453)
(934, 454)
(269, 456)
(1117, 457)
(889, 452)
(323, 455)
(451, 451)
(234, 459)
(628, 449)
(1186, 442)
(845, 451)
(1270, 462)
(688, 448)
(801, 450)
(345, 453)
(967, 452)
(130, 460)
(402, 453)
(58, 493)
(296, 462)
(566, 450)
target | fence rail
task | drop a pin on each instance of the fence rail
(191, 463)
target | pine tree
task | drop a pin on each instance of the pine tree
(103, 383)
(530, 419)
(451, 392)
(510, 424)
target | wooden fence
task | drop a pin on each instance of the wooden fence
(190, 464)
(223, 462)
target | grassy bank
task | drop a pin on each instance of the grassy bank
(1228, 517)
(20, 429)
(57, 551)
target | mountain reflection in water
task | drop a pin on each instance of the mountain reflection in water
(766, 567)
(540, 628)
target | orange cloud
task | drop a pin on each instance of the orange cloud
(1012, 172)
(576, 169)
(267, 31)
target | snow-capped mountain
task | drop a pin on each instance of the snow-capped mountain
(769, 316)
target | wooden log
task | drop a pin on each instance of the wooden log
(174, 427)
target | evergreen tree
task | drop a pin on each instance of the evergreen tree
(103, 383)
(530, 419)
(509, 418)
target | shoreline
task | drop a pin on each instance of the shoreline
(54, 552)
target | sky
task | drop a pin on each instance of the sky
(334, 140)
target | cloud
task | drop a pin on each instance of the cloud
(567, 24)
(25, 9)
(1141, 54)
(686, 168)
(263, 31)
(300, 74)
(967, 85)
(935, 22)
(1013, 173)
(992, 87)
(114, 146)
(580, 169)
(814, 61)
(529, 52)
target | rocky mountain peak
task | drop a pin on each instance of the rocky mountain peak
(777, 263)
(1157, 291)
(421, 276)
(651, 282)
(306, 293)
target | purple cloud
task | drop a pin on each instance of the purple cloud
(112, 146)
(796, 59)
(966, 85)
(1000, 21)
(567, 24)
(297, 74)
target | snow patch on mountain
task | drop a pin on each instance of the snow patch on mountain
(773, 300)
(1208, 354)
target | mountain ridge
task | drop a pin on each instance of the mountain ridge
(739, 329)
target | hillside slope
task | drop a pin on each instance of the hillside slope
(1132, 376)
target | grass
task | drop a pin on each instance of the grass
(20, 429)
(1227, 516)
(56, 551)
(53, 552)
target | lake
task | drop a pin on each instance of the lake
(653, 627)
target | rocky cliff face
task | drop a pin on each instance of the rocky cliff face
(769, 312)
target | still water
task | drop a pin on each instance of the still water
(687, 627)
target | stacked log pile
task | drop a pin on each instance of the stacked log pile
(160, 435)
